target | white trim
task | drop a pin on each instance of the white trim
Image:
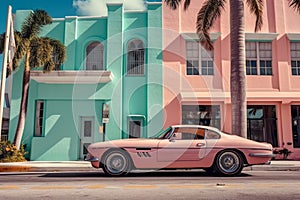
(153, 3)
(293, 36)
(70, 77)
(194, 36)
(260, 36)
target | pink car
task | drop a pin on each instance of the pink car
(180, 147)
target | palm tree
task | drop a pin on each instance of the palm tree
(37, 52)
(295, 4)
(206, 16)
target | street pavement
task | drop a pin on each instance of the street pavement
(48, 166)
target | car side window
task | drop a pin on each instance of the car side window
(211, 135)
(188, 134)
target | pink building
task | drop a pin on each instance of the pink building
(197, 82)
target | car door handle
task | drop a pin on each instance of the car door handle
(200, 144)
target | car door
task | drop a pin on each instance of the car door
(184, 144)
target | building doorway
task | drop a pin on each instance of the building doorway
(295, 110)
(86, 135)
(262, 123)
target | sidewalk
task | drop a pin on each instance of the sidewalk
(53, 166)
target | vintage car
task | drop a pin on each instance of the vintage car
(180, 147)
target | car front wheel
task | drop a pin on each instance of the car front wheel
(229, 163)
(116, 163)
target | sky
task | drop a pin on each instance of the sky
(62, 8)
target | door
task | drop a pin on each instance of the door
(185, 144)
(86, 135)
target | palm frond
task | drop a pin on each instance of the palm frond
(186, 4)
(46, 53)
(41, 53)
(173, 4)
(22, 45)
(295, 4)
(256, 7)
(34, 22)
(59, 51)
(208, 13)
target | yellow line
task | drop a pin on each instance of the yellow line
(230, 186)
(95, 186)
(9, 187)
(185, 186)
(52, 187)
(139, 186)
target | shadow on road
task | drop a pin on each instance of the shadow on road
(136, 174)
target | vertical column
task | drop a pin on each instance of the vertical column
(70, 43)
(114, 45)
(154, 68)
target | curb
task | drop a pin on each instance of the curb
(16, 169)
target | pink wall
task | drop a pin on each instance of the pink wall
(280, 89)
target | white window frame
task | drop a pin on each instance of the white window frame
(259, 56)
(94, 56)
(135, 58)
(39, 118)
(202, 60)
(295, 58)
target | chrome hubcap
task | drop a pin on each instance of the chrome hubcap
(116, 163)
(229, 162)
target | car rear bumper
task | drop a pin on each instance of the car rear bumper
(262, 155)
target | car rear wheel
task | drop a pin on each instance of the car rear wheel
(116, 163)
(229, 163)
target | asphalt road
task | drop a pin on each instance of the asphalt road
(154, 185)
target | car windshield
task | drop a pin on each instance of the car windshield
(162, 134)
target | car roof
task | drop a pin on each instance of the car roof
(196, 126)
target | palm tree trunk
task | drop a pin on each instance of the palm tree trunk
(238, 75)
(23, 106)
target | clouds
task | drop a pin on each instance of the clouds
(98, 7)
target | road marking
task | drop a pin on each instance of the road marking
(186, 186)
(95, 186)
(275, 185)
(8, 187)
(183, 186)
(139, 186)
(53, 187)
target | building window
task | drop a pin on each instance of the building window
(198, 60)
(259, 58)
(94, 56)
(55, 56)
(296, 125)
(135, 128)
(135, 58)
(39, 118)
(295, 58)
(201, 115)
(262, 124)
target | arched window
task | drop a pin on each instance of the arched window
(135, 57)
(94, 56)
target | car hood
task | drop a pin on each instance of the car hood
(127, 143)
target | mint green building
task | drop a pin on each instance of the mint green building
(109, 88)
